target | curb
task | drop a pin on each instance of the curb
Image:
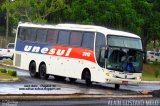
(10, 80)
(150, 82)
(67, 96)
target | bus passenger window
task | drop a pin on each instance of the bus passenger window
(30, 35)
(63, 37)
(21, 33)
(76, 38)
(52, 36)
(41, 35)
(100, 41)
(88, 40)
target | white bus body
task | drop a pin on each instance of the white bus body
(78, 52)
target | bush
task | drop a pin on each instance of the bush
(156, 63)
(3, 70)
(157, 73)
(12, 73)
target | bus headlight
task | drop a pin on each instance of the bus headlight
(138, 78)
(109, 74)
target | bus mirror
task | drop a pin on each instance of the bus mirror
(106, 54)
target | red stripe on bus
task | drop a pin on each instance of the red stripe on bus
(79, 53)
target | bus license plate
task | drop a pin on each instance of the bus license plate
(124, 82)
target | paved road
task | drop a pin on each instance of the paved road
(88, 102)
(30, 85)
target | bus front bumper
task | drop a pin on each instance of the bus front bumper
(123, 81)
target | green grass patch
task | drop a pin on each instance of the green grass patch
(151, 72)
(3, 70)
(8, 62)
(5, 76)
(12, 73)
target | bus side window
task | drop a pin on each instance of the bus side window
(76, 38)
(100, 41)
(30, 34)
(21, 33)
(52, 36)
(88, 40)
(41, 35)
(64, 37)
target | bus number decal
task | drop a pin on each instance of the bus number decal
(86, 54)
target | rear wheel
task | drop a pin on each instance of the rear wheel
(12, 57)
(42, 72)
(1, 58)
(32, 69)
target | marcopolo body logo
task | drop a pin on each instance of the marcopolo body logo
(58, 51)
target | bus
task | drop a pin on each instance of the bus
(85, 52)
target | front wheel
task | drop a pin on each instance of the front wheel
(117, 86)
(87, 78)
(42, 72)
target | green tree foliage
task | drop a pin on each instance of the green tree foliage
(117, 14)
(33, 10)
(137, 16)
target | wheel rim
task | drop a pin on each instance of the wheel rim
(42, 71)
(87, 75)
(32, 69)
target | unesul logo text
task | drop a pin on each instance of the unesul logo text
(45, 50)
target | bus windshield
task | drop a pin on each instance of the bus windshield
(124, 59)
(122, 54)
(127, 42)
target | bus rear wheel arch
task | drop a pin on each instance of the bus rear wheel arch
(86, 75)
(43, 71)
(32, 69)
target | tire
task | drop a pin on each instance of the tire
(12, 57)
(72, 80)
(59, 78)
(87, 77)
(32, 69)
(117, 86)
(1, 58)
(42, 72)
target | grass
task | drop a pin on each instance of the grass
(151, 72)
(5, 76)
(8, 62)
(8, 75)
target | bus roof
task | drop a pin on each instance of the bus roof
(80, 27)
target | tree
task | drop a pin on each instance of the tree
(33, 10)
(150, 29)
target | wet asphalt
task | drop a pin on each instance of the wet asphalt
(29, 85)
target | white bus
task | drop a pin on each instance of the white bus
(86, 52)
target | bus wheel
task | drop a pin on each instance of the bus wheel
(1, 58)
(87, 77)
(42, 72)
(32, 69)
(117, 86)
(59, 78)
(12, 57)
(72, 80)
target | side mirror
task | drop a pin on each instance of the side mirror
(106, 54)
